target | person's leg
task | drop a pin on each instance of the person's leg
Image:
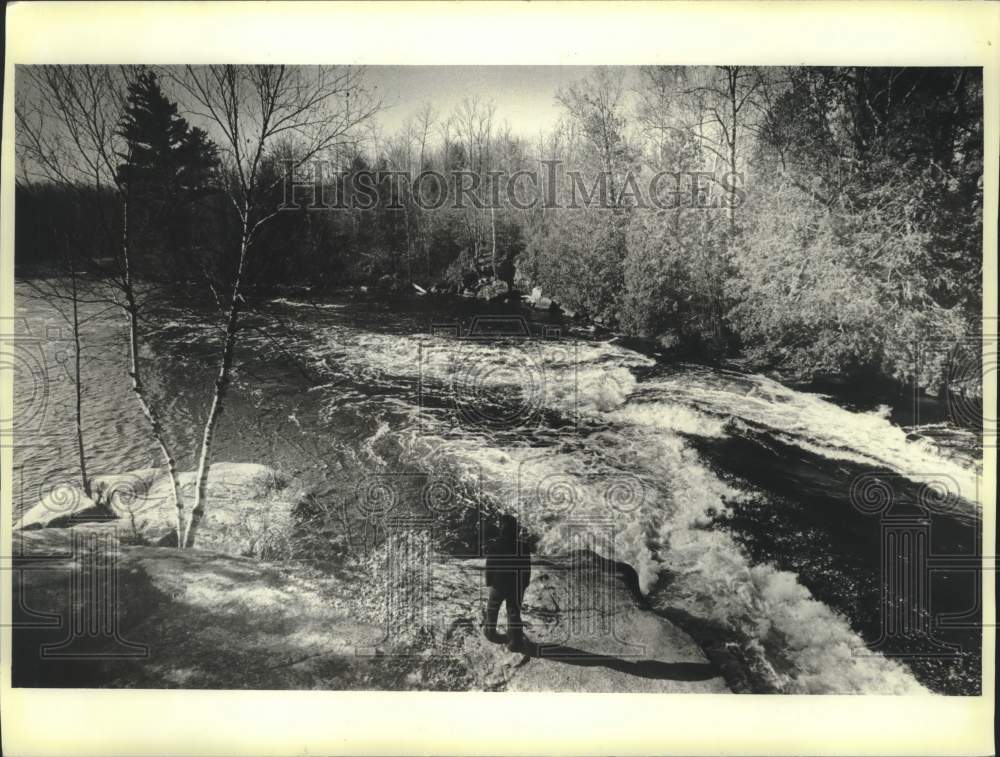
(491, 613)
(515, 627)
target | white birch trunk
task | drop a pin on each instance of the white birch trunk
(79, 385)
(221, 388)
(138, 389)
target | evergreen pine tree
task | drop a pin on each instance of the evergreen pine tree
(165, 156)
(167, 166)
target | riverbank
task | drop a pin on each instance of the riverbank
(909, 403)
(730, 494)
(212, 618)
(957, 400)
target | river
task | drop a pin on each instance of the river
(757, 508)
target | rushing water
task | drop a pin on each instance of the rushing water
(755, 508)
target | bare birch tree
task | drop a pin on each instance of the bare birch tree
(721, 106)
(425, 120)
(253, 109)
(64, 294)
(67, 121)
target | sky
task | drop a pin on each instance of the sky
(524, 95)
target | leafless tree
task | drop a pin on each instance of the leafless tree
(65, 293)
(67, 121)
(722, 106)
(425, 121)
(597, 106)
(311, 110)
(473, 120)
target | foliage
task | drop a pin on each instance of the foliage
(164, 157)
(673, 275)
(864, 233)
(858, 234)
(168, 172)
(578, 257)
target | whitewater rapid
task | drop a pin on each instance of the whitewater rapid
(619, 464)
(584, 439)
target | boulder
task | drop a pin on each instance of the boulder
(64, 505)
(199, 619)
(589, 628)
(493, 290)
(389, 284)
(668, 340)
(249, 509)
(445, 287)
(470, 280)
(594, 632)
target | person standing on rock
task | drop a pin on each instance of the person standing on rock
(508, 573)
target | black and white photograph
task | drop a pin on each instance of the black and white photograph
(608, 379)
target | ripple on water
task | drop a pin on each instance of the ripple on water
(565, 432)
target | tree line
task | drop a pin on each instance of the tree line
(823, 219)
(140, 197)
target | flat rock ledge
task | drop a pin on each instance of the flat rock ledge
(404, 618)
(249, 512)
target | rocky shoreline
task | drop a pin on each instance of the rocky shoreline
(232, 614)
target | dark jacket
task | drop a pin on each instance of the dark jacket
(508, 556)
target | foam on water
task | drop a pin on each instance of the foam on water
(803, 645)
(614, 462)
(311, 305)
(566, 376)
(672, 417)
(819, 426)
(562, 494)
(628, 480)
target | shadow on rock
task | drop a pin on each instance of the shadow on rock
(674, 671)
